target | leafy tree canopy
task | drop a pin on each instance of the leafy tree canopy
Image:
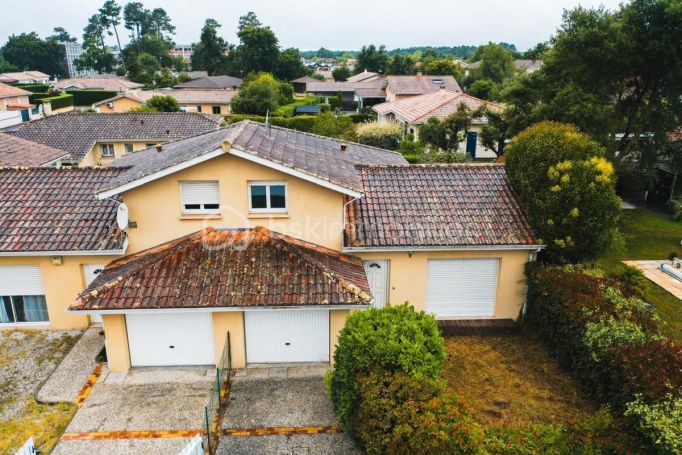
(443, 67)
(260, 94)
(372, 58)
(209, 54)
(400, 64)
(28, 51)
(342, 73)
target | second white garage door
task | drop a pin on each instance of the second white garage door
(461, 288)
(287, 336)
(170, 339)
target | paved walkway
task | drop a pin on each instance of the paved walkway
(67, 380)
(653, 272)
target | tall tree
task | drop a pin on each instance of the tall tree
(209, 54)
(372, 58)
(258, 49)
(290, 65)
(160, 23)
(28, 51)
(400, 65)
(110, 14)
(135, 18)
(497, 63)
(443, 67)
(249, 20)
(60, 35)
(342, 73)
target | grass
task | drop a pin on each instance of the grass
(649, 235)
(32, 356)
(288, 109)
(512, 379)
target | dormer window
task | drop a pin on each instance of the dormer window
(200, 197)
(268, 197)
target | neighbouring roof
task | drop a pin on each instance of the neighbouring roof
(23, 76)
(527, 65)
(191, 96)
(437, 205)
(251, 267)
(316, 156)
(363, 76)
(7, 91)
(212, 82)
(49, 210)
(374, 87)
(303, 80)
(420, 84)
(15, 151)
(440, 104)
(78, 132)
(106, 83)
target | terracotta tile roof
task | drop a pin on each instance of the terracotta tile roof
(77, 132)
(377, 85)
(7, 91)
(363, 76)
(229, 268)
(437, 205)
(15, 151)
(212, 82)
(418, 85)
(304, 79)
(48, 209)
(23, 76)
(439, 104)
(191, 96)
(316, 156)
(107, 83)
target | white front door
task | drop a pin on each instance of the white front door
(461, 288)
(377, 276)
(287, 336)
(170, 339)
(91, 271)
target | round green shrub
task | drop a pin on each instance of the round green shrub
(393, 338)
(398, 414)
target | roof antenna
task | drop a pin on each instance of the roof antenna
(267, 122)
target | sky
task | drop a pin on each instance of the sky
(334, 24)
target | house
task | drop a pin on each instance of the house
(212, 83)
(414, 111)
(106, 83)
(99, 139)
(208, 101)
(15, 106)
(521, 66)
(25, 77)
(270, 234)
(400, 87)
(300, 84)
(15, 151)
(364, 76)
(184, 51)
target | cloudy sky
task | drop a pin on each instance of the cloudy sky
(334, 24)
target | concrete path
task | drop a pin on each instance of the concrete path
(68, 378)
(652, 271)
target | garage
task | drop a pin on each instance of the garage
(287, 336)
(461, 288)
(170, 339)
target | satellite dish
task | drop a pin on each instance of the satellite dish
(122, 216)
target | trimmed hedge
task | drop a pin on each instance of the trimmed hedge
(362, 118)
(56, 102)
(35, 88)
(90, 97)
(303, 123)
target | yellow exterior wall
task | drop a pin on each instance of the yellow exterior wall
(120, 105)
(116, 342)
(206, 108)
(232, 322)
(62, 285)
(337, 320)
(94, 156)
(314, 213)
(408, 276)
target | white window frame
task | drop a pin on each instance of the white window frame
(107, 146)
(267, 184)
(14, 313)
(201, 210)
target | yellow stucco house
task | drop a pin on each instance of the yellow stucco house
(275, 236)
(95, 139)
(216, 102)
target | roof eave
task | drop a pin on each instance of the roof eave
(325, 307)
(114, 252)
(408, 248)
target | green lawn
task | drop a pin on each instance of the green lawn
(649, 235)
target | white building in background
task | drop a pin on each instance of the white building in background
(73, 51)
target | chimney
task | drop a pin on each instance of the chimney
(343, 147)
(159, 147)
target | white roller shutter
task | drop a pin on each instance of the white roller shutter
(200, 192)
(21, 280)
(461, 288)
(287, 336)
(170, 339)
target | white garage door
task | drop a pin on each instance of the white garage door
(170, 339)
(461, 288)
(285, 336)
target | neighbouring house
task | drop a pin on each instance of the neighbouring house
(521, 66)
(208, 101)
(15, 106)
(368, 89)
(99, 139)
(15, 151)
(212, 83)
(414, 111)
(25, 77)
(184, 51)
(301, 84)
(106, 83)
(54, 238)
(273, 236)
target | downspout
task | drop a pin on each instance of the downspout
(345, 222)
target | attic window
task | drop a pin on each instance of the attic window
(200, 197)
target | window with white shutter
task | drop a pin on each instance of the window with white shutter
(200, 197)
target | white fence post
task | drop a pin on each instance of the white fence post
(195, 447)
